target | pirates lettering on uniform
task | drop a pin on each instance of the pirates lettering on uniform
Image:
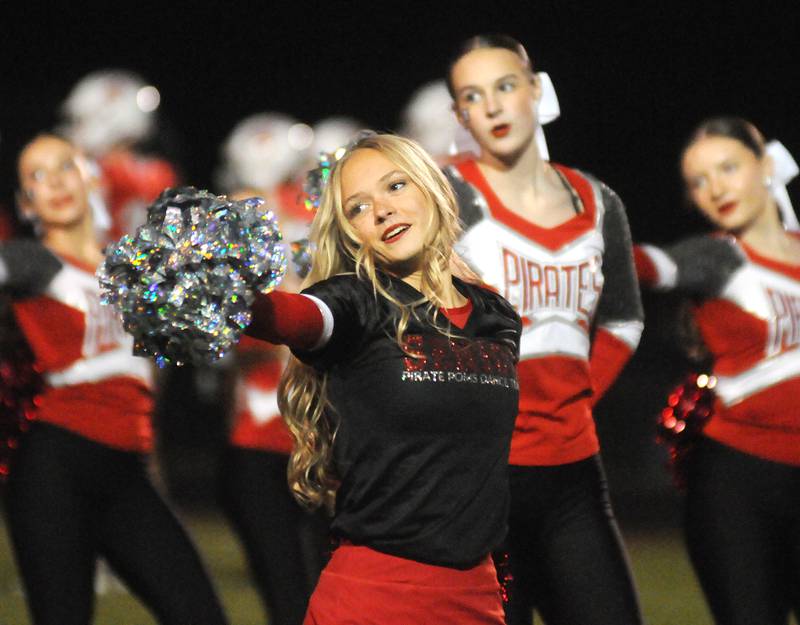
(103, 327)
(784, 322)
(531, 285)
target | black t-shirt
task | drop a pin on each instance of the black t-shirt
(422, 443)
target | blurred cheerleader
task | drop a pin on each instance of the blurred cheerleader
(743, 475)
(78, 486)
(111, 115)
(266, 153)
(401, 397)
(554, 241)
(428, 119)
(284, 543)
(331, 134)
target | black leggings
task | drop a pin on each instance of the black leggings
(743, 534)
(69, 500)
(565, 552)
(284, 544)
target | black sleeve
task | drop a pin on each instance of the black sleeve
(620, 300)
(704, 263)
(471, 204)
(355, 311)
(27, 266)
(499, 319)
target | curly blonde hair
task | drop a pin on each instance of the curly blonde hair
(302, 393)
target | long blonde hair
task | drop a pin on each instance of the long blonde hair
(302, 393)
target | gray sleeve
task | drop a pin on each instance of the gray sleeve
(471, 204)
(620, 301)
(26, 265)
(704, 264)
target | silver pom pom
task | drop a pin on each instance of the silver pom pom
(185, 282)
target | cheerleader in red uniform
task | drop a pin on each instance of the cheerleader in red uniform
(110, 115)
(78, 486)
(554, 241)
(284, 544)
(401, 397)
(743, 475)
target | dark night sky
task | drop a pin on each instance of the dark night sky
(631, 83)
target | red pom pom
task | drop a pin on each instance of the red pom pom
(689, 407)
(19, 385)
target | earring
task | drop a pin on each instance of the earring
(767, 181)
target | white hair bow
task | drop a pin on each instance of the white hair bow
(548, 110)
(785, 168)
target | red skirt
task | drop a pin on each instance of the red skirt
(361, 586)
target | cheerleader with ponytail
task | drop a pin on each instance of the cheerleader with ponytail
(78, 486)
(743, 473)
(555, 242)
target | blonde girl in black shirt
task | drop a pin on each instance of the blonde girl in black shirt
(401, 396)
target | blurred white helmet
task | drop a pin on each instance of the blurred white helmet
(332, 133)
(110, 107)
(264, 150)
(429, 119)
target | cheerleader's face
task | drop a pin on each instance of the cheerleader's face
(53, 187)
(386, 209)
(495, 99)
(726, 181)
